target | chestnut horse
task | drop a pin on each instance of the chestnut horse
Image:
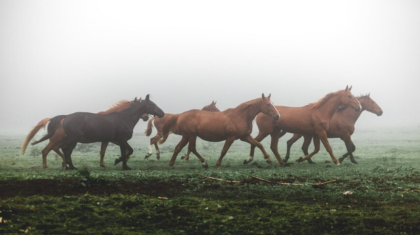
(341, 126)
(160, 122)
(312, 119)
(219, 126)
(116, 127)
(54, 124)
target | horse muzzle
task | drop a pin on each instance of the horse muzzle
(277, 117)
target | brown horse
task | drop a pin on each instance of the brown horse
(160, 122)
(341, 126)
(312, 119)
(55, 124)
(219, 126)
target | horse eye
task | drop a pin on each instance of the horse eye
(268, 104)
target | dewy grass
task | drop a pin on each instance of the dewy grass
(154, 198)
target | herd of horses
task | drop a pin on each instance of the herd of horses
(333, 116)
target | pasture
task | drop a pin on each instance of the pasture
(154, 198)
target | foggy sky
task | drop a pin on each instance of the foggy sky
(60, 57)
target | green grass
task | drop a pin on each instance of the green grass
(384, 184)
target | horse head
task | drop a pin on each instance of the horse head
(152, 108)
(211, 107)
(370, 105)
(348, 99)
(267, 107)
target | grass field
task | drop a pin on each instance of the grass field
(154, 198)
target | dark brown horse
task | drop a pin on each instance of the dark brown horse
(219, 126)
(116, 127)
(312, 119)
(54, 124)
(341, 126)
(160, 122)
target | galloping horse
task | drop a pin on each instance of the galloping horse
(219, 126)
(341, 126)
(54, 124)
(312, 119)
(160, 122)
(116, 127)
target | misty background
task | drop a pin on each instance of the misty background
(60, 57)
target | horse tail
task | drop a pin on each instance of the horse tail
(169, 127)
(33, 132)
(55, 123)
(149, 129)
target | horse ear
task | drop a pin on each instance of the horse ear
(269, 96)
(263, 96)
(368, 95)
(135, 99)
(139, 100)
(347, 87)
(215, 103)
(147, 97)
(350, 88)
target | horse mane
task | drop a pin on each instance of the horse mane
(362, 96)
(323, 100)
(120, 105)
(244, 106)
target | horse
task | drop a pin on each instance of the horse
(160, 122)
(341, 126)
(116, 127)
(312, 119)
(219, 126)
(54, 125)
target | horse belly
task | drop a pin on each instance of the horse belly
(211, 133)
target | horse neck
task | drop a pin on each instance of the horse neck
(330, 106)
(351, 114)
(133, 113)
(247, 111)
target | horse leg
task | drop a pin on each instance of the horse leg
(126, 151)
(226, 147)
(104, 145)
(305, 146)
(67, 150)
(45, 152)
(258, 138)
(275, 136)
(59, 153)
(290, 142)
(153, 141)
(192, 148)
(187, 156)
(178, 148)
(350, 149)
(324, 140)
(316, 150)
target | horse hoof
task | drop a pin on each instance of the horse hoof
(147, 155)
(218, 167)
(182, 157)
(354, 162)
(311, 162)
(205, 166)
(300, 159)
(269, 162)
(117, 161)
(245, 162)
(126, 168)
